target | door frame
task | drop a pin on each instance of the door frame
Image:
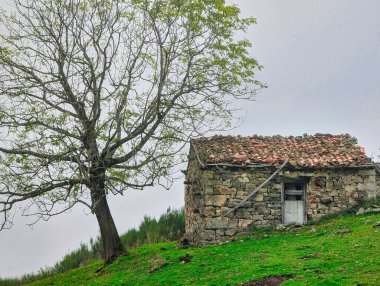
(304, 193)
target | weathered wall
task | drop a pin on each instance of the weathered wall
(211, 192)
(344, 188)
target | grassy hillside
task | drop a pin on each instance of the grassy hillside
(320, 254)
(169, 227)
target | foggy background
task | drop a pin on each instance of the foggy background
(322, 64)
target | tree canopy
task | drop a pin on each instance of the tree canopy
(100, 96)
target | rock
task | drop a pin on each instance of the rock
(208, 175)
(369, 172)
(377, 224)
(243, 223)
(186, 259)
(231, 232)
(259, 198)
(216, 223)
(372, 210)
(280, 227)
(227, 191)
(312, 230)
(326, 200)
(243, 178)
(257, 217)
(360, 211)
(215, 200)
(209, 211)
(367, 187)
(349, 189)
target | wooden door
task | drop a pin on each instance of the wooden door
(294, 204)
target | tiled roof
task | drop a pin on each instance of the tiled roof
(308, 151)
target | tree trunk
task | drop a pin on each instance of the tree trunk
(112, 245)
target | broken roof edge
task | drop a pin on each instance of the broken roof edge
(252, 166)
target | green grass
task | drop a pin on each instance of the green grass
(329, 259)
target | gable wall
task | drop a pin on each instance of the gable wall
(212, 192)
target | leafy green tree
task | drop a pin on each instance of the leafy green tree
(100, 96)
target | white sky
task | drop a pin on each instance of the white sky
(322, 64)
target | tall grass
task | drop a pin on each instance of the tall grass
(170, 226)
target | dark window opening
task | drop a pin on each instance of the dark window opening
(320, 182)
(294, 191)
(293, 197)
(297, 187)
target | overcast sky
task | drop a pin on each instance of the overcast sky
(322, 65)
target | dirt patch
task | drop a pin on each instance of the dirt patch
(310, 256)
(343, 231)
(267, 281)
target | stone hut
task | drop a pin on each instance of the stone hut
(235, 183)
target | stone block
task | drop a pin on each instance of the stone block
(207, 235)
(290, 174)
(243, 178)
(367, 172)
(325, 200)
(227, 191)
(219, 232)
(231, 232)
(243, 223)
(241, 193)
(222, 212)
(257, 217)
(209, 190)
(349, 188)
(367, 187)
(243, 214)
(231, 203)
(232, 223)
(274, 205)
(313, 206)
(333, 193)
(259, 198)
(209, 211)
(275, 212)
(352, 200)
(215, 200)
(250, 187)
(357, 179)
(216, 223)
(208, 175)
(227, 183)
(317, 217)
(213, 183)
(275, 195)
(265, 222)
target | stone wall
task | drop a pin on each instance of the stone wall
(212, 191)
(344, 188)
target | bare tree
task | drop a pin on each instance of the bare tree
(100, 96)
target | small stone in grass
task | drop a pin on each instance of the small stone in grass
(377, 224)
(186, 259)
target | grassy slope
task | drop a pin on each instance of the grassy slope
(347, 259)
